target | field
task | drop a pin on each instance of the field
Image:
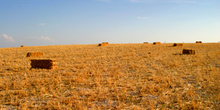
(116, 76)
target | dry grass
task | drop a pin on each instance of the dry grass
(118, 76)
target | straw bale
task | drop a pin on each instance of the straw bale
(189, 51)
(156, 43)
(177, 45)
(198, 41)
(43, 63)
(102, 44)
(35, 54)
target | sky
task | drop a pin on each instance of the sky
(66, 22)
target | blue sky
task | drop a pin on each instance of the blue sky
(64, 22)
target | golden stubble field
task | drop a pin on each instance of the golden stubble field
(116, 76)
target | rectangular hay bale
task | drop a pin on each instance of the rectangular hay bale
(43, 63)
(177, 45)
(35, 54)
(198, 41)
(189, 51)
(156, 43)
(102, 44)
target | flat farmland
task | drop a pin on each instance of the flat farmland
(115, 76)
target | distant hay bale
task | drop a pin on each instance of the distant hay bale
(177, 45)
(22, 46)
(34, 54)
(198, 41)
(156, 43)
(189, 51)
(43, 63)
(103, 44)
(145, 42)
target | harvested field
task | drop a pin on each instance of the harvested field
(118, 76)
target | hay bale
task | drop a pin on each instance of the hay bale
(189, 51)
(145, 42)
(177, 45)
(34, 54)
(156, 43)
(104, 42)
(43, 63)
(22, 46)
(198, 41)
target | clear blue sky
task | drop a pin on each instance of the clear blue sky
(64, 22)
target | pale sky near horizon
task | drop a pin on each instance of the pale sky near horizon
(65, 22)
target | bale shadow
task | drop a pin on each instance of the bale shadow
(174, 46)
(178, 54)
